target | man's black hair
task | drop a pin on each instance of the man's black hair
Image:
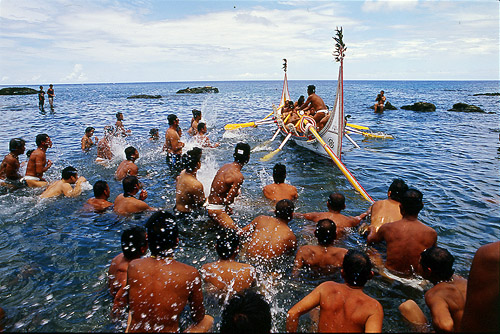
(133, 240)
(196, 113)
(87, 130)
(162, 233)
(301, 100)
(129, 183)
(397, 189)
(227, 243)
(40, 138)
(171, 119)
(357, 268)
(279, 173)
(153, 131)
(411, 202)
(284, 209)
(118, 114)
(440, 261)
(326, 232)
(191, 159)
(311, 88)
(68, 172)
(247, 313)
(100, 187)
(242, 153)
(16, 143)
(129, 151)
(201, 125)
(28, 153)
(336, 201)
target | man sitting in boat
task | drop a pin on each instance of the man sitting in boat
(314, 105)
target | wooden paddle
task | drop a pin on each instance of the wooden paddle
(269, 156)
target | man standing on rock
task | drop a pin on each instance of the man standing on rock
(380, 100)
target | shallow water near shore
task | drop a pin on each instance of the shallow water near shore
(55, 257)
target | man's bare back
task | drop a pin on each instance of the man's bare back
(9, 168)
(340, 220)
(384, 211)
(126, 168)
(97, 204)
(189, 193)
(62, 187)
(314, 103)
(276, 192)
(127, 205)
(319, 258)
(229, 275)
(173, 142)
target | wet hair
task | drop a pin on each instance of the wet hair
(301, 100)
(89, 129)
(196, 113)
(279, 173)
(336, 201)
(40, 138)
(100, 187)
(411, 202)
(28, 153)
(397, 189)
(284, 209)
(171, 119)
(162, 233)
(133, 240)
(247, 313)
(357, 268)
(311, 89)
(50, 85)
(16, 143)
(129, 151)
(108, 129)
(201, 125)
(290, 103)
(153, 131)
(41, 87)
(129, 183)
(440, 261)
(118, 114)
(191, 159)
(69, 172)
(241, 153)
(326, 232)
(227, 243)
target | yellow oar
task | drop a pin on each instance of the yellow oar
(358, 126)
(268, 156)
(246, 125)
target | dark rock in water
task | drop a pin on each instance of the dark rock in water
(387, 106)
(18, 91)
(487, 94)
(420, 106)
(198, 90)
(144, 97)
(463, 107)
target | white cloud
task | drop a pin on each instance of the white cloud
(388, 5)
(77, 75)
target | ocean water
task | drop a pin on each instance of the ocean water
(55, 257)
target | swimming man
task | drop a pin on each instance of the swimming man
(63, 186)
(128, 167)
(38, 163)
(279, 189)
(99, 203)
(189, 194)
(173, 144)
(126, 203)
(87, 141)
(9, 168)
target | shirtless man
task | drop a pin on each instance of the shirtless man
(279, 189)
(104, 152)
(324, 257)
(99, 203)
(202, 138)
(87, 141)
(41, 98)
(407, 238)
(173, 144)
(160, 287)
(343, 307)
(9, 168)
(63, 186)
(379, 104)
(247, 312)
(271, 237)
(120, 129)
(335, 204)
(51, 94)
(226, 275)
(193, 130)
(38, 163)
(128, 167)
(126, 203)
(314, 105)
(483, 299)
(446, 299)
(226, 186)
(189, 194)
(134, 246)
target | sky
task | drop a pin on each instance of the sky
(110, 41)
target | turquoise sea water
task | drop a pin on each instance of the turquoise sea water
(55, 257)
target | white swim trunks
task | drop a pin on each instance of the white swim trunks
(215, 207)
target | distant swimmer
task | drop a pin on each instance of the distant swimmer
(379, 102)
(126, 203)
(159, 287)
(279, 189)
(51, 95)
(173, 144)
(38, 163)
(104, 153)
(9, 168)
(189, 194)
(134, 246)
(407, 238)
(226, 186)
(41, 98)
(270, 237)
(343, 307)
(335, 204)
(446, 299)
(87, 141)
(128, 167)
(226, 275)
(99, 203)
(154, 134)
(64, 185)
(202, 138)
(119, 127)
(193, 129)
(246, 313)
(324, 257)
(483, 299)
(314, 105)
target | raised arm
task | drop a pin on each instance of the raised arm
(69, 191)
(302, 307)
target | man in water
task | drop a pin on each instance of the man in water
(193, 130)
(173, 144)
(189, 194)
(227, 275)
(279, 189)
(126, 203)
(202, 138)
(159, 287)
(324, 257)
(407, 238)
(226, 186)
(99, 203)
(335, 204)
(63, 186)
(483, 299)
(343, 307)
(246, 313)
(446, 299)
(314, 105)
(38, 163)
(51, 94)
(87, 141)
(154, 134)
(119, 128)
(270, 237)
(134, 246)
(9, 168)
(104, 153)
(41, 98)
(379, 104)
(128, 167)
